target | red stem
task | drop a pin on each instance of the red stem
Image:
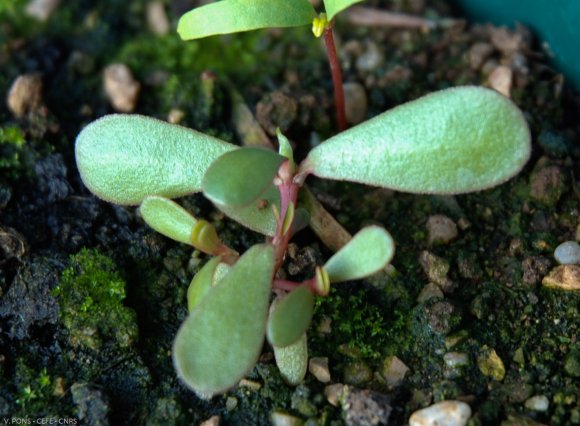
(336, 77)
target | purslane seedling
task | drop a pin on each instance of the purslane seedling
(453, 141)
(233, 16)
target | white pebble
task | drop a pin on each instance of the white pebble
(448, 413)
(537, 403)
(568, 253)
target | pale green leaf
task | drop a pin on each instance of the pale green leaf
(292, 361)
(239, 177)
(369, 251)
(201, 283)
(124, 158)
(221, 339)
(333, 7)
(257, 216)
(168, 218)
(453, 141)
(232, 16)
(290, 316)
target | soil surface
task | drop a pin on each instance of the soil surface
(477, 312)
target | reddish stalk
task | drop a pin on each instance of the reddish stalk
(336, 77)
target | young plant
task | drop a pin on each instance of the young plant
(453, 141)
(232, 16)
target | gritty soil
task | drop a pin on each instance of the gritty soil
(91, 298)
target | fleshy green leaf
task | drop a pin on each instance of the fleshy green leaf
(168, 218)
(221, 339)
(333, 7)
(232, 16)
(292, 361)
(369, 251)
(239, 177)
(290, 317)
(453, 141)
(201, 283)
(124, 158)
(257, 216)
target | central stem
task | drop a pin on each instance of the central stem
(336, 73)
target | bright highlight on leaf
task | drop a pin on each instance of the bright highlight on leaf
(241, 176)
(124, 158)
(369, 251)
(201, 283)
(290, 316)
(232, 16)
(221, 339)
(168, 218)
(335, 6)
(292, 361)
(453, 141)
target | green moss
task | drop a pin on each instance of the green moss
(90, 296)
(15, 158)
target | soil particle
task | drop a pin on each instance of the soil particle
(448, 413)
(507, 41)
(435, 267)
(51, 178)
(281, 419)
(547, 183)
(365, 407)
(439, 316)
(215, 421)
(92, 405)
(563, 277)
(318, 367)
(490, 364)
(12, 244)
(157, 20)
(533, 269)
(276, 109)
(430, 291)
(568, 253)
(25, 95)
(479, 53)
(356, 102)
(440, 230)
(333, 393)
(302, 401)
(394, 371)
(537, 403)
(41, 10)
(28, 302)
(500, 79)
(121, 88)
(357, 373)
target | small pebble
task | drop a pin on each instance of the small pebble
(318, 367)
(448, 413)
(357, 373)
(333, 393)
(501, 80)
(175, 116)
(356, 102)
(25, 95)
(121, 87)
(563, 277)
(440, 230)
(455, 359)
(157, 18)
(212, 421)
(371, 59)
(394, 371)
(430, 291)
(231, 403)
(490, 364)
(478, 54)
(282, 419)
(568, 253)
(41, 10)
(365, 407)
(547, 184)
(506, 41)
(537, 403)
(435, 267)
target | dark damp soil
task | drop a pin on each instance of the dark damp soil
(90, 297)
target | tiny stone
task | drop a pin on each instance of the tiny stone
(578, 233)
(283, 419)
(157, 18)
(318, 367)
(501, 80)
(568, 253)
(325, 326)
(441, 230)
(463, 224)
(59, 388)
(394, 371)
(121, 87)
(547, 185)
(455, 359)
(212, 421)
(41, 9)
(231, 403)
(356, 102)
(490, 364)
(365, 407)
(25, 95)
(371, 59)
(175, 116)
(478, 54)
(537, 403)
(430, 291)
(357, 373)
(506, 41)
(448, 413)
(519, 356)
(250, 384)
(333, 393)
(436, 268)
(563, 277)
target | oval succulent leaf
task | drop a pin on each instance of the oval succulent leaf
(201, 283)
(333, 7)
(369, 251)
(292, 361)
(453, 141)
(258, 215)
(232, 16)
(221, 339)
(290, 316)
(124, 158)
(239, 177)
(168, 218)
